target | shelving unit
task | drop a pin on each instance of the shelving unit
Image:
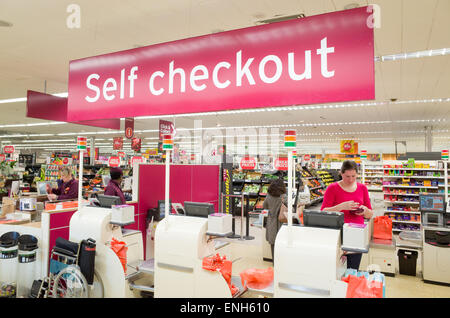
(372, 176)
(402, 184)
(50, 172)
(313, 180)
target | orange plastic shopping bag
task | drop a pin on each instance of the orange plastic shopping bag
(257, 278)
(120, 249)
(224, 266)
(382, 228)
(360, 287)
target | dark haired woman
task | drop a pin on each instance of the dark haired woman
(351, 198)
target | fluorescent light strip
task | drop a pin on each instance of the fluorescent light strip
(418, 54)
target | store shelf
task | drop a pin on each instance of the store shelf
(403, 194)
(406, 222)
(402, 202)
(414, 177)
(418, 169)
(409, 212)
(398, 230)
(319, 187)
(410, 187)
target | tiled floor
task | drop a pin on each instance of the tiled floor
(248, 254)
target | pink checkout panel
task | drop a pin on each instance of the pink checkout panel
(197, 183)
(59, 226)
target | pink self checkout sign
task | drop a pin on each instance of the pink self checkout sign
(317, 59)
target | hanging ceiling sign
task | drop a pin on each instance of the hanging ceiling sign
(281, 164)
(317, 59)
(8, 149)
(248, 163)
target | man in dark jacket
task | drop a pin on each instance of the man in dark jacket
(68, 189)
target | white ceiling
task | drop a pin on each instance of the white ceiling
(35, 54)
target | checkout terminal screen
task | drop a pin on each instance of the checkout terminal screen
(432, 203)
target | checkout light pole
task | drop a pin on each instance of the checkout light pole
(167, 146)
(290, 142)
(81, 147)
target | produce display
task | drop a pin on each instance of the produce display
(251, 188)
(269, 177)
(253, 176)
(313, 183)
(237, 175)
(326, 177)
(264, 189)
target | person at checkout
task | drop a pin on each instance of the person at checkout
(351, 198)
(67, 189)
(114, 185)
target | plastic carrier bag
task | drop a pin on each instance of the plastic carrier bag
(382, 228)
(120, 249)
(257, 278)
(364, 285)
(221, 264)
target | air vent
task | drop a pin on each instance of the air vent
(283, 18)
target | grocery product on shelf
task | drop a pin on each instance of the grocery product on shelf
(264, 189)
(402, 184)
(253, 176)
(238, 175)
(251, 188)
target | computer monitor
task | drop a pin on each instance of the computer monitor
(106, 201)
(162, 207)
(432, 202)
(332, 220)
(127, 183)
(200, 209)
(105, 180)
(42, 186)
(15, 187)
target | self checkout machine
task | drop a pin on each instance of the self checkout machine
(309, 258)
(435, 216)
(102, 223)
(181, 243)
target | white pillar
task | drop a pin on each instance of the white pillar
(92, 151)
(428, 138)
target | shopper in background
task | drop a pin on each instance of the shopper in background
(67, 189)
(114, 185)
(273, 203)
(352, 199)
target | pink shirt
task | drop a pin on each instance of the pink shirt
(335, 195)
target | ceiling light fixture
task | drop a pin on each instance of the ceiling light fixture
(412, 55)
(5, 24)
(281, 18)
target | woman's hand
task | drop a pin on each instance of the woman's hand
(52, 197)
(366, 213)
(348, 205)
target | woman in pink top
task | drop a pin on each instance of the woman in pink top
(352, 199)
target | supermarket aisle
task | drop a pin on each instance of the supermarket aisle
(248, 254)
